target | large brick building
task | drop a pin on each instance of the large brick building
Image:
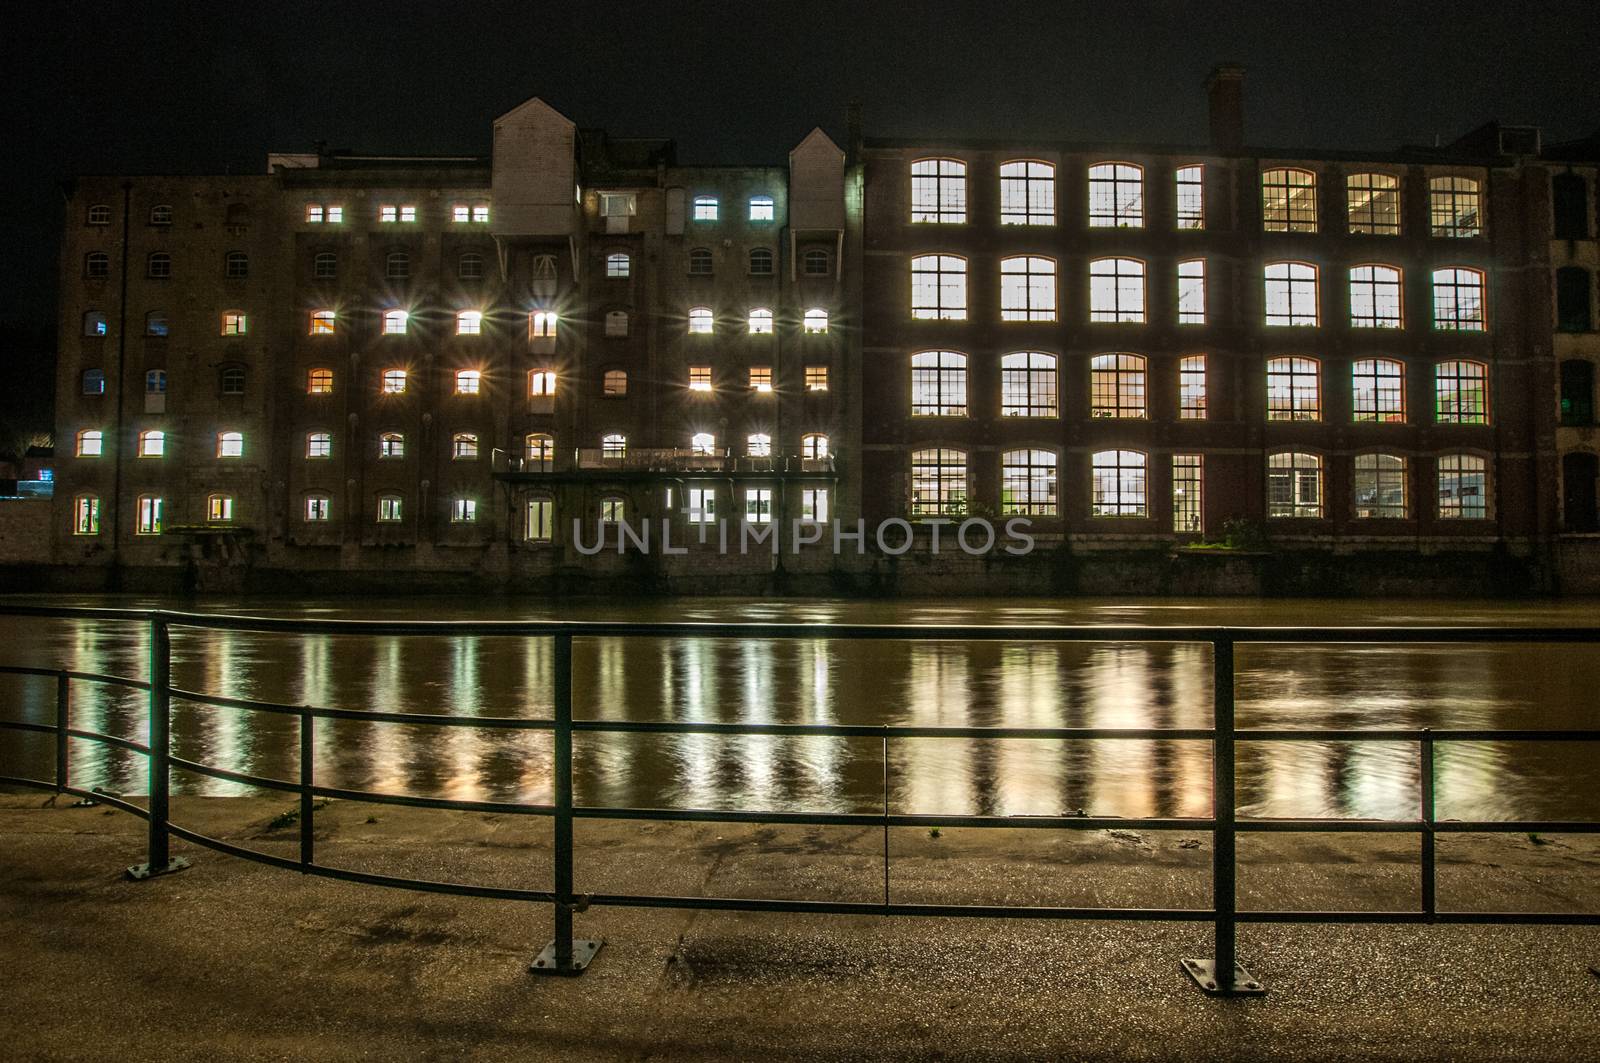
(392, 364)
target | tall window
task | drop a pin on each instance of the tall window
(90, 443)
(1379, 486)
(1190, 182)
(1116, 196)
(1574, 292)
(938, 191)
(761, 261)
(1291, 293)
(705, 208)
(219, 508)
(1294, 484)
(542, 325)
(760, 321)
(702, 505)
(540, 522)
(230, 444)
(316, 507)
(1192, 292)
(1116, 290)
(1188, 494)
(1453, 207)
(1463, 487)
(618, 265)
(1192, 388)
(538, 452)
(614, 384)
(394, 381)
(1027, 289)
(1028, 384)
(1378, 391)
(541, 383)
(1293, 391)
(815, 320)
(613, 510)
(938, 384)
(939, 287)
(938, 481)
(322, 322)
(1375, 296)
(389, 509)
(1117, 385)
(469, 323)
(152, 444)
(1027, 193)
(86, 515)
(758, 505)
(762, 208)
(149, 522)
(1028, 483)
(319, 445)
(1289, 201)
(395, 322)
(814, 504)
(700, 321)
(391, 445)
(468, 381)
(463, 446)
(1119, 484)
(155, 382)
(1373, 201)
(1458, 299)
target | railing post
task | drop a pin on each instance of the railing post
(307, 808)
(159, 861)
(1430, 905)
(1222, 975)
(564, 956)
(63, 702)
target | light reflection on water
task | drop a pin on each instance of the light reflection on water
(814, 681)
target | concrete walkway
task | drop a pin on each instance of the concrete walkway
(233, 960)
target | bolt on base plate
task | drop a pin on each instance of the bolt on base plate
(140, 872)
(1204, 973)
(582, 953)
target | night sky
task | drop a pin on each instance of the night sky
(208, 88)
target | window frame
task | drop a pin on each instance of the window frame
(1108, 182)
(939, 196)
(1125, 470)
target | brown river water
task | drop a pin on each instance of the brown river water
(818, 681)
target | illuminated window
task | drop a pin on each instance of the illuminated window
(1294, 389)
(469, 267)
(1375, 294)
(757, 505)
(761, 261)
(1192, 292)
(938, 384)
(395, 322)
(155, 323)
(761, 208)
(1028, 483)
(94, 323)
(619, 265)
(388, 509)
(540, 521)
(1461, 393)
(1454, 207)
(1463, 487)
(542, 325)
(463, 510)
(402, 212)
(1289, 201)
(814, 505)
(149, 510)
(816, 378)
(152, 444)
(480, 214)
(314, 213)
(96, 265)
(219, 508)
(1374, 203)
(94, 382)
(469, 323)
(322, 322)
(158, 266)
(316, 507)
(761, 378)
(1119, 484)
(938, 481)
(758, 445)
(538, 452)
(90, 442)
(816, 320)
(155, 382)
(618, 204)
(1028, 384)
(938, 191)
(230, 444)
(1378, 486)
(939, 287)
(1027, 289)
(465, 213)
(1117, 385)
(1294, 484)
(1192, 388)
(1378, 391)
(700, 262)
(463, 446)
(616, 323)
(815, 263)
(335, 214)
(614, 447)
(813, 446)
(760, 321)
(541, 383)
(703, 443)
(394, 381)
(700, 321)
(319, 445)
(325, 266)
(1291, 293)
(1116, 290)
(1188, 494)
(1190, 182)
(1458, 300)
(99, 214)
(705, 208)
(614, 385)
(319, 382)
(699, 378)
(391, 445)
(1116, 196)
(232, 379)
(613, 510)
(236, 265)
(397, 266)
(86, 515)
(468, 381)
(1027, 193)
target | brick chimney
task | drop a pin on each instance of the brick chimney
(1225, 101)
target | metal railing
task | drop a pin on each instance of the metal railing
(1220, 974)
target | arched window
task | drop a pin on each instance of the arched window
(1190, 185)
(1027, 193)
(1294, 391)
(232, 379)
(391, 445)
(394, 381)
(1379, 486)
(99, 214)
(1373, 203)
(1454, 208)
(816, 320)
(1378, 391)
(1027, 289)
(815, 263)
(322, 322)
(938, 384)
(389, 509)
(614, 447)
(319, 382)
(397, 266)
(155, 323)
(319, 445)
(91, 442)
(1461, 393)
(469, 267)
(158, 266)
(395, 322)
(1116, 196)
(1573, 299)
(1294, 484)
(468, 381)
(161, 215)
(96, 265)
(614, 385)
(813, 446)
(94, 382)
(700, 262)
(1458, 299)
(1192, 292)
(152, 444)
(86, 515)
(760, 321)
(705, 208)
(325, 266)
(541, 383)
(938, 481)
(542, 325)
(1028, 384)
(1116, 290)
(1119, 488)
(1291, 293)
(938, 191)
(1289, 201)
(463, 446)
(1117, 385)
(236, 265)
(761, 262)
(618, 265)
(703, 443)
(469, 322)
(939, 287)
(759, 445)
(155, 382)
(616, 323)
(230, 444)
(700, 321)
(1192, 387)
(538, 452)
(1375, 297)
(1463, 487)
(94, 323)
(1028, 483)
(762, 208)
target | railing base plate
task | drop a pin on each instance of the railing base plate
(140, 872)
(1204, 973)
(582, 953)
